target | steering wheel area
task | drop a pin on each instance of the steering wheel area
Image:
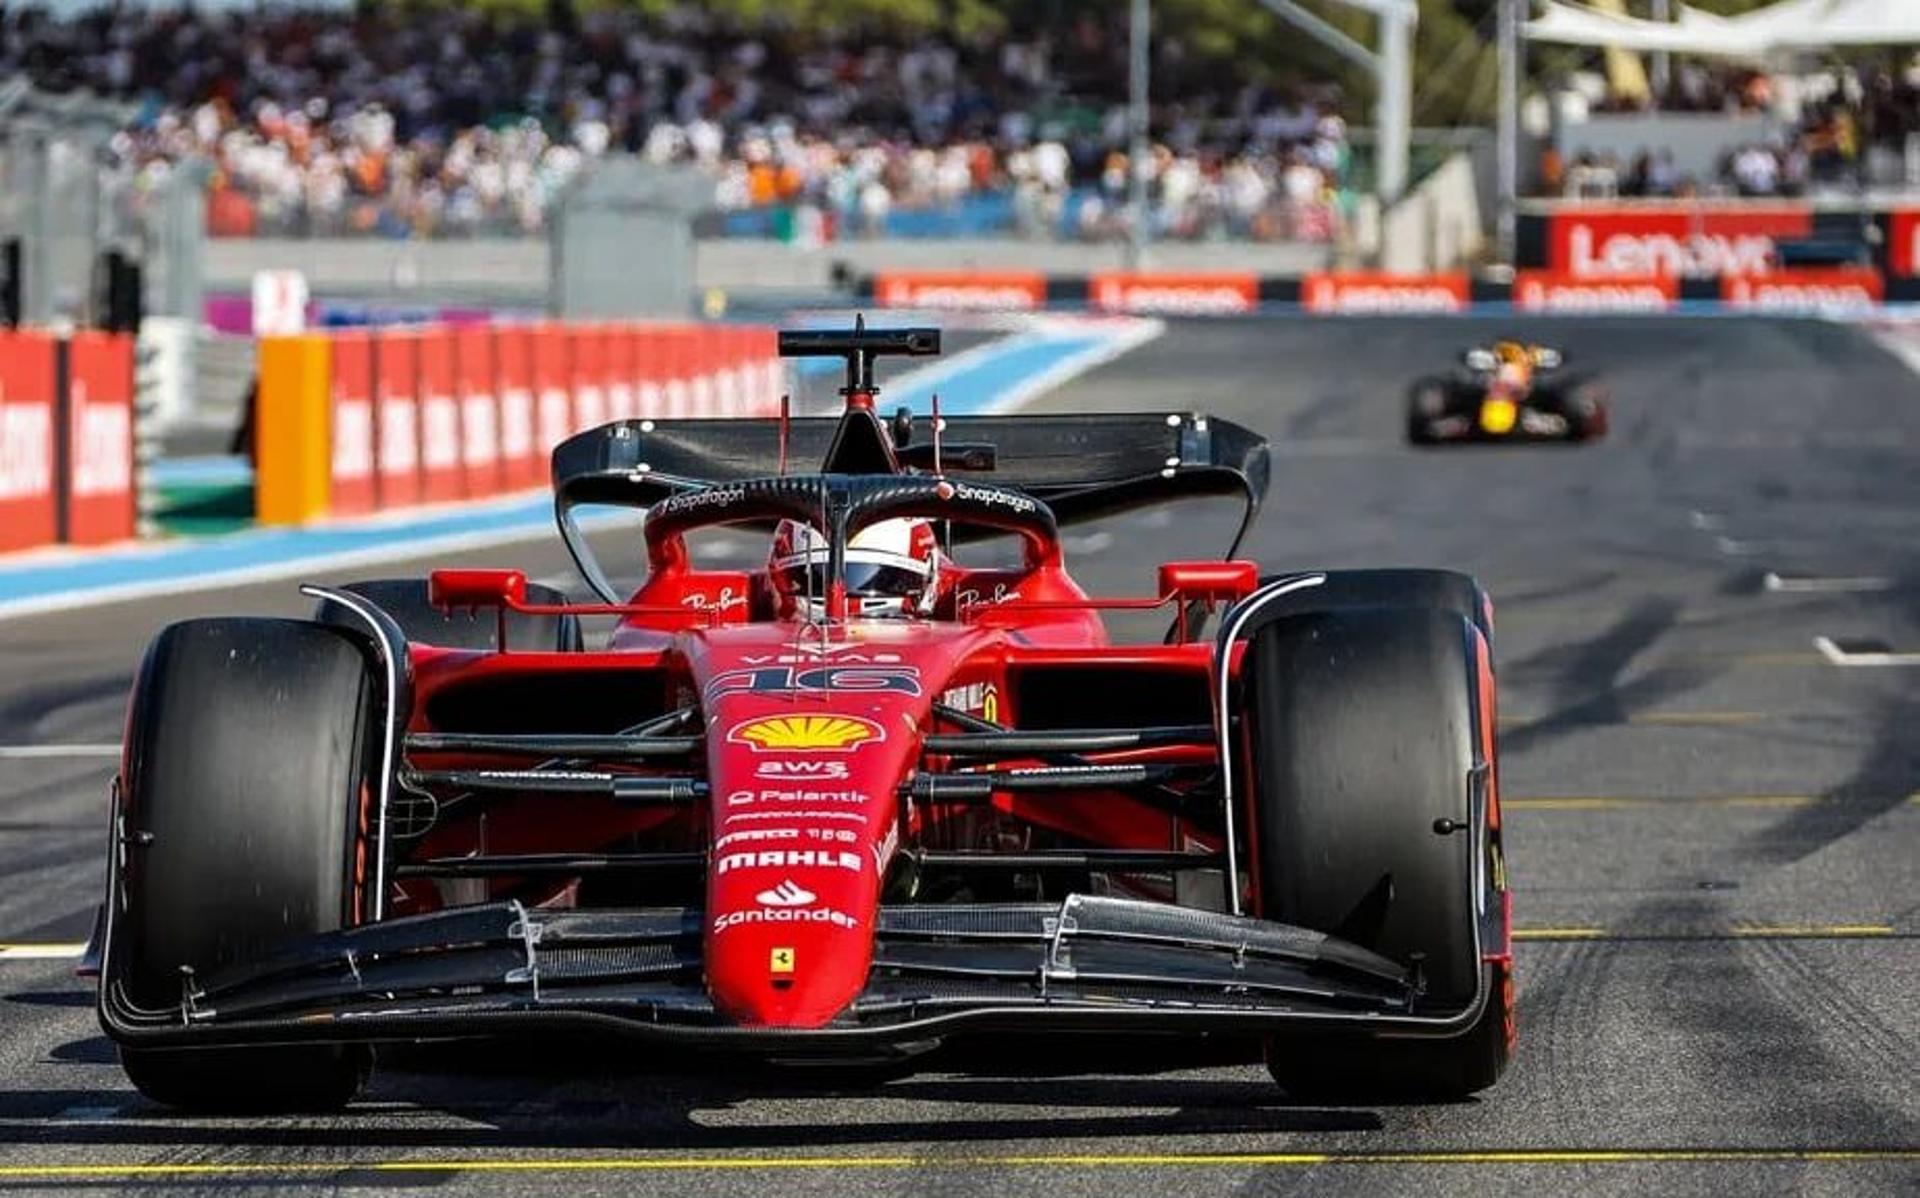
(840, 505)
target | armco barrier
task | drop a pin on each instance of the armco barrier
(351, 421)
(29, 504)
(396, 382)
(475, 381)
(99, 495)
(468, 412)
(442, 472)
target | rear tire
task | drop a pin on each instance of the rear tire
(248, 766)
(405, 599)
(1365, 726)
(1586, 412)
(1426, 402)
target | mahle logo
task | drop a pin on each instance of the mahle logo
(831, 733)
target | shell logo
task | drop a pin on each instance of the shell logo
(834, 733)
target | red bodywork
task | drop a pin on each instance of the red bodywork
(810, 732)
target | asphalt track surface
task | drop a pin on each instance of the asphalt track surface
(1714, 836)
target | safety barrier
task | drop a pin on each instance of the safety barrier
(66, 439)
(354, 421)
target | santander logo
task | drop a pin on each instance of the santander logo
(787, 894)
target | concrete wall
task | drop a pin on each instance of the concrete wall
(1437, 226)
(515, 271)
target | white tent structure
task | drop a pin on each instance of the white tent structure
(1788, 26)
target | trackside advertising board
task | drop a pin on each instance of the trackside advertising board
(1210, 294)
(1360, 294)
(1686, 241)
(99, 446)
(1009, 290)
(1549, 291)
(1806, 290)
(29, 512)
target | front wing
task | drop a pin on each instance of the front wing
(1088, 963)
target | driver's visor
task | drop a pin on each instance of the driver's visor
(809, 574)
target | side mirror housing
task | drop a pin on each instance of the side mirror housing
(1211, 582)
(477, 588)
(1548, 359)
(1479, 359)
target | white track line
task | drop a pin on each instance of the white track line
(1810, 585)
(1835, 655)
(58, 751)
(69, 951)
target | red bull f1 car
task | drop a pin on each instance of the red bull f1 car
(849, 805)
(1507, 391)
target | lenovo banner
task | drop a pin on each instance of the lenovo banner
(1806, 290)
(1694, 241)
(442, 471)
(524, 465)
(1384, 294)
(1185, 294)
(1014, 289)
(99, 447)
(28, 506)
(1546, 291)
(351, 421)
(396, 381)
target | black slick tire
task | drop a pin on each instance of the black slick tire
(244, 800)
(1363, 736)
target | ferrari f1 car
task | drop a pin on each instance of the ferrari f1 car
(1507, 391)
(850, 805)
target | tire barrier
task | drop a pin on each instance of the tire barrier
(353, 421)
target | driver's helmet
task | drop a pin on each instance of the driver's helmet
(1515, 364)
(893, 568)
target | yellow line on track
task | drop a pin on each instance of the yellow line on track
(1629, 802)
(1836, 931)
(42, 952)
(1520, 1156)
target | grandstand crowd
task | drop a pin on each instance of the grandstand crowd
(452, 121)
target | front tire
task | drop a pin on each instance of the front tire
(245, 808)
(1366, 734)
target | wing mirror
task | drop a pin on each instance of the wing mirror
(477, 588)
(1479, 359)
(1548, 359)
(1209, 582)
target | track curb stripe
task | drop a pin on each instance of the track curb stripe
(1520, 1156)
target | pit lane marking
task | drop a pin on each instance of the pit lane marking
(1878, 654)
(59, 751)
(1813, 584)
(56, 951)
(776, 1164)
(1842, 931)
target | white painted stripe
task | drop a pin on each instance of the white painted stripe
(1835, 655)
(43, 952)
(58, 751)
(1810, 584)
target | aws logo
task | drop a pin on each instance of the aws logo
(831, 733)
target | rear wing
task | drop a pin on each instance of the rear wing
(1083, 466)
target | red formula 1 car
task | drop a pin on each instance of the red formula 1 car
(1507, 391)
(851, 804)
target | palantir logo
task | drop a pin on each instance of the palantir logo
(787, 894)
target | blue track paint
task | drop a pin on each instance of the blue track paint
(971, 382)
